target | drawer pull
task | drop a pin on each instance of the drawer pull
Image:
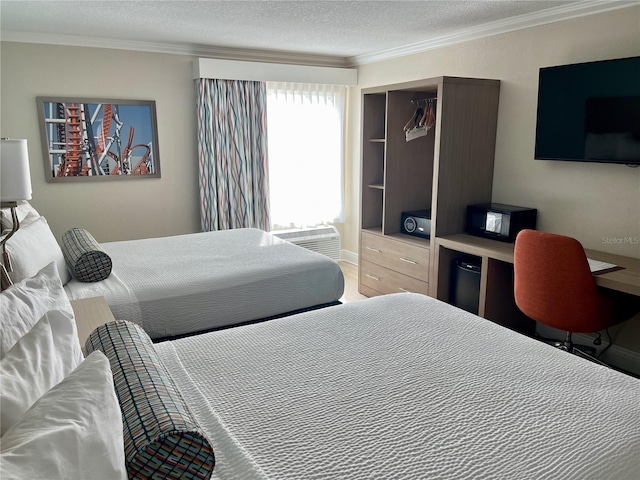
(408, 261)
(403, 290)
(373, 249)
(371, 276)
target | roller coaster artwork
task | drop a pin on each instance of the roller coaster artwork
(99, 138)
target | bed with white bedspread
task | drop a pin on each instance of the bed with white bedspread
(404, 387)
(183, 284)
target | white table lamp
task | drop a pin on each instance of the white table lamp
(15, 185)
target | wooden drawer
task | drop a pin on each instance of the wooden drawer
(399, 256)
(385, 280)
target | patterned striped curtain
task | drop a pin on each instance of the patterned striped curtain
(232, 151)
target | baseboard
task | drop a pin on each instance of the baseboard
(349, 256)
(615, 355)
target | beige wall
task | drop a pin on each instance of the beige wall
(117, 209)
(587, 201)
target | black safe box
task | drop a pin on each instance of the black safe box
(417, 223)
(499, 221)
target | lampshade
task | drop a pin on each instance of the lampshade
(15, 179)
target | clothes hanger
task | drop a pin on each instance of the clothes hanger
(415, 118)
(430, 120)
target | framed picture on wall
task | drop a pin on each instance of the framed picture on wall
(98, 139)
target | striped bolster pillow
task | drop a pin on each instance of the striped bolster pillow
(161, 437)
(85, 257)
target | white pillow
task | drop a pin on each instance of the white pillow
(39, 361)
(73, 431)
(33, 247)
(25, 212)
(24, 303)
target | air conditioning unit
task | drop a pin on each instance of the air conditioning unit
(324, 240)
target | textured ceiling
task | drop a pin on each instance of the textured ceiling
(344, 29)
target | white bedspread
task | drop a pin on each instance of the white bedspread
(188, 283)
(403, 387)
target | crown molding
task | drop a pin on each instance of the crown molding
(551, 15)
(203, 51)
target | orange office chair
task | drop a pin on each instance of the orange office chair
(553, 285)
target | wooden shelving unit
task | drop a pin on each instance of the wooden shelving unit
(446, 170)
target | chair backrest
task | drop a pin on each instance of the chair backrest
(554, 285)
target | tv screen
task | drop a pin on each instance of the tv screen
(590, 112)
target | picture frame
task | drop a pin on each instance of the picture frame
(88, 139)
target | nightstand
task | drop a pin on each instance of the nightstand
(90, 313)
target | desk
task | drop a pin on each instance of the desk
(496, 280)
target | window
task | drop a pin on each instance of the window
(305, 138)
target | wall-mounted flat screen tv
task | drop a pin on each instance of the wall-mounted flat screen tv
(590, 112)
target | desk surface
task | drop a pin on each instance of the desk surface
(626, 280)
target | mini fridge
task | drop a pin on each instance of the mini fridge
(464, 291)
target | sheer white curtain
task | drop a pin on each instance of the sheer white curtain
(305, 125)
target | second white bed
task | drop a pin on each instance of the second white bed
(184, 284)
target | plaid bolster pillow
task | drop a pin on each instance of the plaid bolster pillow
(161, 437)
(85, 257)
